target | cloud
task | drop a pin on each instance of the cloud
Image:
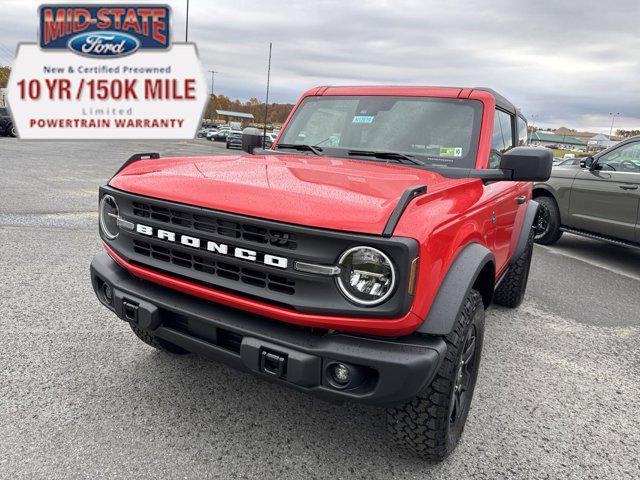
(566, 63)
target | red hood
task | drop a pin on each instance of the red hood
(324, 192)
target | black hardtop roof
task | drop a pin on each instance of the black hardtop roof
(501, 101)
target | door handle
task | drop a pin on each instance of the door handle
(629, 187)
(521, 199)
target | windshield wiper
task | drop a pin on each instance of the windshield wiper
(400, 157)
(308, 148)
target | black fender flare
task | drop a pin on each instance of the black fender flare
(525, 230)
(455, 287)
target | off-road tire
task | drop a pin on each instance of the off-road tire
(552, 233)
(510, 292)
(12, 131)
(424, 425)
(151, 340)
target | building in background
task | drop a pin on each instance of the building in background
(560, 142)
(237, 118)
(3, 97)
(600, 142)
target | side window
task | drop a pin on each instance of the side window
(623, 159)
(522, 132)
(502, 139)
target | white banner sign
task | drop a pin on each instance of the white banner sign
(149, 95)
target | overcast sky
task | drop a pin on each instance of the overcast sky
(563, 62)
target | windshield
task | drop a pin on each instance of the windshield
(436, 131)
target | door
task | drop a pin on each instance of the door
(638, 227)
(506, 195)
(606, 199)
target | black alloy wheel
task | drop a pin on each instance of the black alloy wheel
(542, 221)
(465, 370)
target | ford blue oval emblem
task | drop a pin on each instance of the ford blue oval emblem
(104, 44)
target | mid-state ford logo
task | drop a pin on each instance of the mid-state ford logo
(104, 44)
(105, 30)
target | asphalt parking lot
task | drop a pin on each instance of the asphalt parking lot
(557, 396)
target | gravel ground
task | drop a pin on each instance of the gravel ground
(81, 397)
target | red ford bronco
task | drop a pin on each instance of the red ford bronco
(353, 260)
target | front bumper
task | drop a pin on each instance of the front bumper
(385, 372)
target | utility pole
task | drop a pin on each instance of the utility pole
(213, 72)
(186, 30)
(266, 102)
(613, 118)
(532, 127)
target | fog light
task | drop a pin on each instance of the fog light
(108, 293)
(341, 374)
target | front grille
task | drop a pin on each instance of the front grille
(249, 276)
(243, 268)
(216, 226)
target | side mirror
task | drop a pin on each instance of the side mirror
(527, 164)
(586, 162)
(251, 139)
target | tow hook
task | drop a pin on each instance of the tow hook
(273, 363)
(130, 311)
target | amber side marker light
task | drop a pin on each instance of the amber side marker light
(412, 276)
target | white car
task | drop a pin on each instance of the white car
(202, 133)
(268, 141)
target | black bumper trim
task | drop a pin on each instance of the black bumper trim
(388, 371)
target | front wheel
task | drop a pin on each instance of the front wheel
(431, 424)
(513, 286)
(547, 222)
(12, 131)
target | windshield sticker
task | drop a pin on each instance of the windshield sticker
(450, 151)
(363, 119)
(334, 140)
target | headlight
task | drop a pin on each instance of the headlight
(367, 276)
(109, 217)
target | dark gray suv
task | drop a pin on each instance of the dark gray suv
(599, 198)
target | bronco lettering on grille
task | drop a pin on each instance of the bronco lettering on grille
(214, 247)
